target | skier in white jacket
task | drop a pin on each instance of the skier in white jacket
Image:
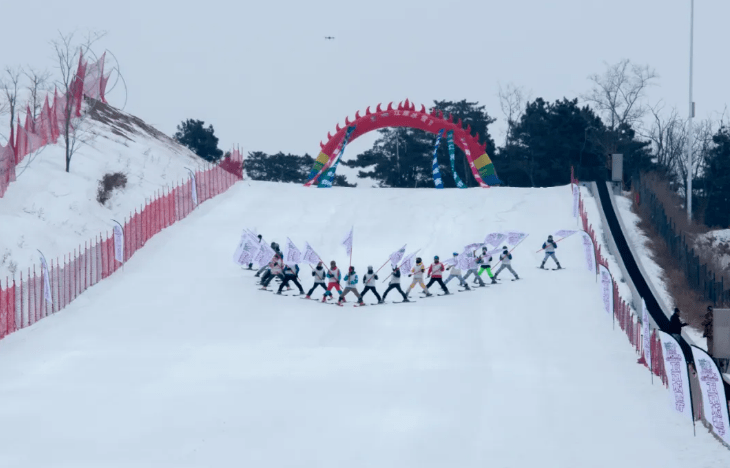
(506, 259)
(368, 280)
(455, 272)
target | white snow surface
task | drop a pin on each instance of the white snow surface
(53, 211)
(180, 361)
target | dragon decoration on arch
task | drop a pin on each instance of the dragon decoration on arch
(406, 115)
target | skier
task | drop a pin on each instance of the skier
(549, 248)
(417, 273)
(369, 281)
(351, 286)
(506, 259)
(485, 264)
(455, 272)
(250, 265)
(276, 271)
(319, 275)
(290, 274)
(333, 281)
(435, 272)
(395, 284)
(477, 278)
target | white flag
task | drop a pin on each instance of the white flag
(473, 247)
(293, 255)
(646, 331)
(348, 241)
(675, 366)
(397, 256)
(515, 237)
(607, 290)
(467, 260)
(565, 233)
(310, 256)
(264, 255)
(195, 192)
(245, 252)
(576, 197)
(495, 238)
(46, 281)
(118, 243)
(590, 252)
(714, 401)
(407, 264)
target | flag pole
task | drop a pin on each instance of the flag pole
(391, 273)
(513, 248)
(562, 238)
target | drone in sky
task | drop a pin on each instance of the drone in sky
(329, 38)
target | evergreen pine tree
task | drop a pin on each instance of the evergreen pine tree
(201, 141)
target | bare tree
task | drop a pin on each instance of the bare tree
(668, 135)
(512, 101)
(68, 52)
(37, 84)
(619, 92)
(10, 83)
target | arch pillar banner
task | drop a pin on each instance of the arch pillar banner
(406, 115)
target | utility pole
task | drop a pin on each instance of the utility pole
(691, 112)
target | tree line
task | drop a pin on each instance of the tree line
(544, 139)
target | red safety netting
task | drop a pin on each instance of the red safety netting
(623, 314)
(23, 303)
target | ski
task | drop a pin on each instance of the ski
(445, 294)
(404, 302)
(466, 290)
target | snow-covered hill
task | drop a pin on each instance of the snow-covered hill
(53, 211)
(180, 361)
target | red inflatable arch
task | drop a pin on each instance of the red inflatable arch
(406, 115)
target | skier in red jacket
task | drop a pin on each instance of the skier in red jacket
(436, 272)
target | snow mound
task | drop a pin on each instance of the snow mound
(53, 211)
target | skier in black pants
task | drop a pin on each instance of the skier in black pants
(395, 284)
(436, 271)
(290, 274)
(369, 281)
(319, 275)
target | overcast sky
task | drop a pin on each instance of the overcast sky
(262, 73)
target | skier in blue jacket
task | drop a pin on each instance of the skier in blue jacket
(549, 246)
(350, 286)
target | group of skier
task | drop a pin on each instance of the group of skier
(329, 278)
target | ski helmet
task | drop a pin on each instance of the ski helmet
(418, 259)
(370, 267)
(484, 249)
(436, 257)
(505, 248)
(550, 237)
(333, 263)
(456, 254)
(352, 268)
(259, 236)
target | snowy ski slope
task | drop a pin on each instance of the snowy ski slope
(179, 361)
